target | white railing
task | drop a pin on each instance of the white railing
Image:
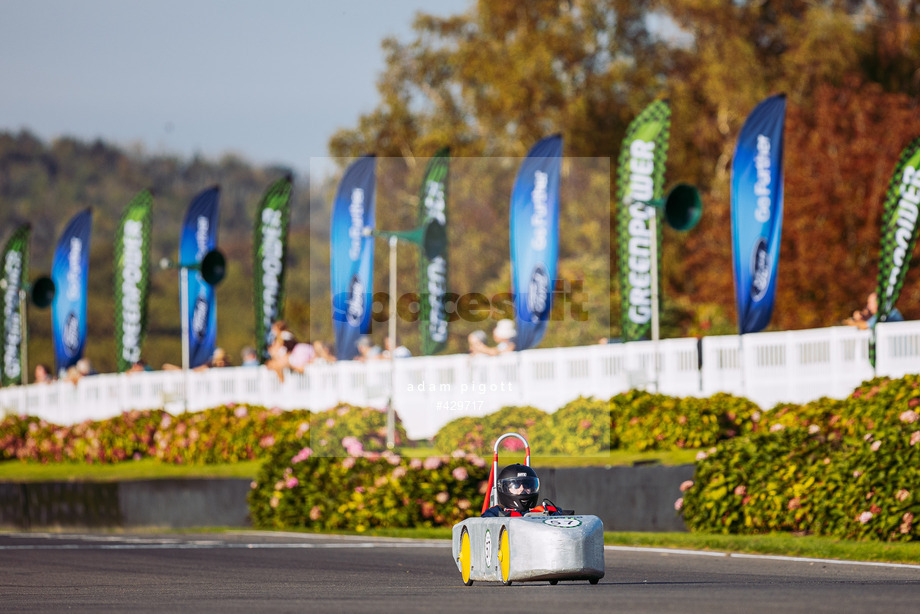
(768, 368)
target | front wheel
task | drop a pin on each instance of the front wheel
(466, 558)
(504, 557)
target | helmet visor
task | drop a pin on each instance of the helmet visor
(524, 485)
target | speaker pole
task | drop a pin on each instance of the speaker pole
(417, 237)
(391, 418)
(683, 209)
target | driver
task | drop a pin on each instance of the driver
(518, 489)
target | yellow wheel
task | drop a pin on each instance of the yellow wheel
(466, 558)
(504, 557)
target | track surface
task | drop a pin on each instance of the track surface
(284, 572)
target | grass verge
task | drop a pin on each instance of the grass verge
(611, 458)
(149, 468)
(144, 469)
(782, 544)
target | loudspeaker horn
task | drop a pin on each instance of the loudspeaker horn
(683, 207)
(213, 267)
(43, 292)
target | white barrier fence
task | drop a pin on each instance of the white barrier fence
(428, 392)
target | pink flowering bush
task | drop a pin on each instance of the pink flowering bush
(478, 435)
(810, 483)
(224, 434)
(876, 402)
(297, 489)
(14, 430)
(634, 420)
(347, 429)
(580, 427)
(124, 437)
(645, 421)
(844, 468)
(228, 433)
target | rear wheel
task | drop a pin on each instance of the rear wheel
(554, 582)
(594, 580)
(466, 558)
(504, 556)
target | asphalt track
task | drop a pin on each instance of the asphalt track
(285, 572)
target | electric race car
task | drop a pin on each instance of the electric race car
(544, 545)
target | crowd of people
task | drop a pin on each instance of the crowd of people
(867, 317)
(504, 335)
(286, 352)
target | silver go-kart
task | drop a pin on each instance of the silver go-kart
(535, 546)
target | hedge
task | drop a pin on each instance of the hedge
(229, 433)
(846, 469)
(224, 434)
(477, 435)
(298, 489)
(634, 420)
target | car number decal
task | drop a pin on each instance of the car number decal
(487, 548)
(563, 523)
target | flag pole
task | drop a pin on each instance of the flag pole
(391, 418)
(183, 300)
(24, 343)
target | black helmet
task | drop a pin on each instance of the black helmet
(518, 487)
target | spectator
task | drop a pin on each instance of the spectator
(504, 335)
(477, 341)
(400, 352)
(218, 359)
(82, 368)
(249, 357)
(278, 336)
(287, 353)
(72, 374)
(282, 345)
(85, 367)
(366, 349)
(43, 374)
(867, 317)
(302, 355)
(859, 316)
(139, 366)
(323, 353)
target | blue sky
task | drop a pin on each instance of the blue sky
(270, 80)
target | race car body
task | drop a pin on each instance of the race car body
(528, 548)
(547, 545)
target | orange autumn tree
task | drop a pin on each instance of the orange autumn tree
(840, 153)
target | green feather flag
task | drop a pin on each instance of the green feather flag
(14, 275)
(269, 256)
(132, 279)
(640, 179)
(899, 231)
(432, 218)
